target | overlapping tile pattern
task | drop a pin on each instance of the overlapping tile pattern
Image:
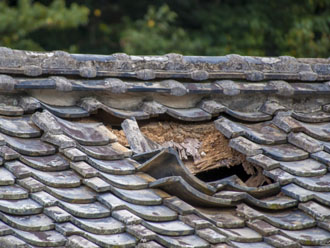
(292, 148)
(80, 188)
(68, 183)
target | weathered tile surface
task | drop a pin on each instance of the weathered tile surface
(66, 181)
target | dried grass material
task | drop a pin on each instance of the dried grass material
(200, 146)
(202, 142)
(120, 136)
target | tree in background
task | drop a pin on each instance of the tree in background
(18, 21)
(299, 28)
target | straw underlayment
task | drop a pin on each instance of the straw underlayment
(200, 146)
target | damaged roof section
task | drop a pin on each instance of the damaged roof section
(66, 181)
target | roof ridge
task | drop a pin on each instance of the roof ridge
(172, 65)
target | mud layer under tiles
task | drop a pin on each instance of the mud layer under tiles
(202, 148)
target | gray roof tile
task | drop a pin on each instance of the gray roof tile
(68, 182)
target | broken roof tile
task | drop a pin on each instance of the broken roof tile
(72, 183)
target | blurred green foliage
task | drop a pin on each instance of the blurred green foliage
(299, 28)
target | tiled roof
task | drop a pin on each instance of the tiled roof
(65, 181)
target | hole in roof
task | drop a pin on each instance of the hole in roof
(201, 147)
(223, 172)
(256, 179)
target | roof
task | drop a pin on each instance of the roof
(66, 181)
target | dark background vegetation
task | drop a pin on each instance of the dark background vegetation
(299, 28)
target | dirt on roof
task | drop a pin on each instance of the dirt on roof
(200, 146)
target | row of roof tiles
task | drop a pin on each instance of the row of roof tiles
(61, 186)
(172, 87)
(168, 66)
(206, 109)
